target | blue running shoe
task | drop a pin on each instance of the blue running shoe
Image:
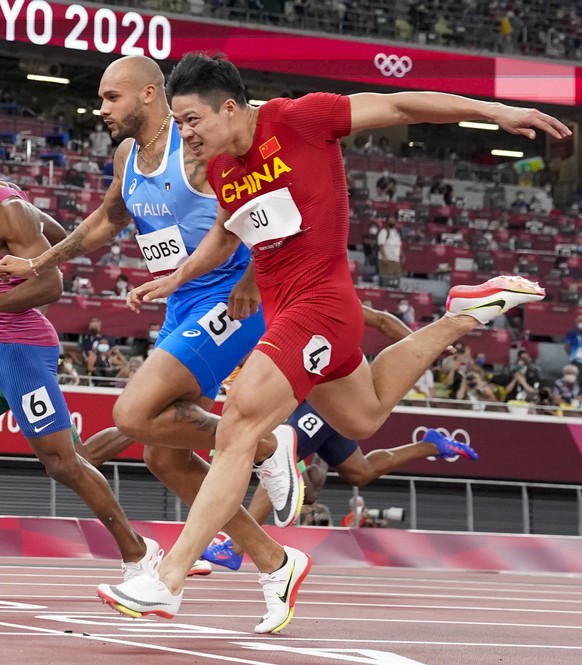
(449, 447)
(222, 554)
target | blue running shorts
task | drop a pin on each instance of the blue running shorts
(314, 435)
(199, 333)
(29, 382)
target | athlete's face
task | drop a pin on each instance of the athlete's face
(121, 107)
(207, 132)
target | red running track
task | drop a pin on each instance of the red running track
(49, 614)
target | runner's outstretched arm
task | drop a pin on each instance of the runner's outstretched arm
(375, 110)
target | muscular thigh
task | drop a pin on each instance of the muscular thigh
(349, 404)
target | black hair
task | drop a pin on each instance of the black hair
(214, 79)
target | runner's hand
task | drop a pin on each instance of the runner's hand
(525, 121)
(14, 266)
(244, 299)
(157, 288)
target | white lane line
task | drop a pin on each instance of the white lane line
(154, 647)
(369, 656)
(306, 591)
(45, 632)
(400, 606)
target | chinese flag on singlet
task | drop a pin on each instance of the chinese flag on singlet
(269, 147)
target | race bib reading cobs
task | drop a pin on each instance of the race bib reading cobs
(267, 217)
(163, 250)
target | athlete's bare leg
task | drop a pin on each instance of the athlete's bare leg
(370, 394)
(186, 472)
(104, 446)
(57, 453)
(155, 409)
(162, 406)
(360, 470)
(359, 404)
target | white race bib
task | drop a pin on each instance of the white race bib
(164, 250)
(267, 217)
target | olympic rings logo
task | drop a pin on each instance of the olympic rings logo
(392, 65)
(460, 435)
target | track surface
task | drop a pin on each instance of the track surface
(49, 614)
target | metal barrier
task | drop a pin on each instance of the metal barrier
(526, 489)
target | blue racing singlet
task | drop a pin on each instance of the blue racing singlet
(172, 217)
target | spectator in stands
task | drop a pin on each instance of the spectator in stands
(68, 375)
(94, 334)
(405, 312)
(104, 361)
(100, 141)
(519, 204)
(316, 514)
(482, 362)
(386, 187)
(573, 344)
(358, 513)
(566, 389)
(476, 389)
(389, 250)
(114, 257)
(384, 147)
(455, 367)
(448, 195)
(81, 286)
(141, 344)
(122, 286)
(73, 178)
(370, 244)
(129, 369)
(522, 385)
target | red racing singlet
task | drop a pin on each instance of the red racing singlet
(287, 196)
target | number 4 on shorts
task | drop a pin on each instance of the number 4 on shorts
(37, 405)
(317, 354)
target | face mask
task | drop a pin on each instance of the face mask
(103, 348)
(115, 250)
(403, 308)
(68, 366)
(480, 361)
(122, 286)
(579, 326)
(374, 230)
(570, 378)
(154, 334)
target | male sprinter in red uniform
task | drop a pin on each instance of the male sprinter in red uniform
(279, 177)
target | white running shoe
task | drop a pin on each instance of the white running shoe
(131, 569)
(280, 590)
(282, 479)
(200, 567)
(494, 297)
(142, 595)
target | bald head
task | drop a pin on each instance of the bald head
(137, 71)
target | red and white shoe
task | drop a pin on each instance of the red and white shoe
(494, 297)
(200, 567)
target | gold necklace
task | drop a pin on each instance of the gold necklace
(157, 136)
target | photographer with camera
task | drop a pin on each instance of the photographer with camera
(476, 389)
